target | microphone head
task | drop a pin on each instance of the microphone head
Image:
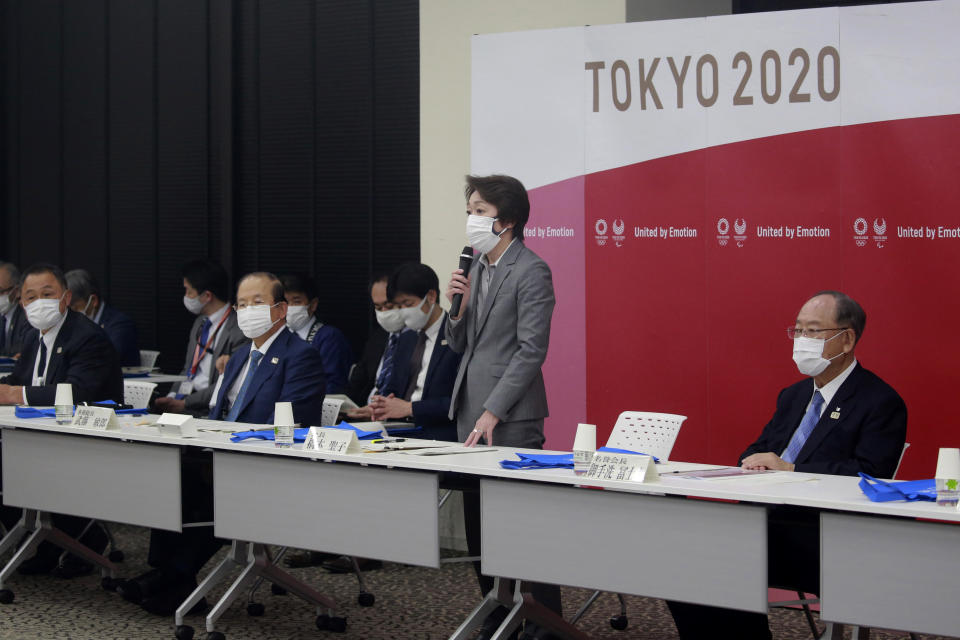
(467, 252)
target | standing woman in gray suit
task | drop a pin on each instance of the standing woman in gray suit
(503, 330)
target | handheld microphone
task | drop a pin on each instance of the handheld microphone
(466, 259)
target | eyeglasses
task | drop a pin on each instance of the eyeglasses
(795, 332)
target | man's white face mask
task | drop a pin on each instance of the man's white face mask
(808, 355)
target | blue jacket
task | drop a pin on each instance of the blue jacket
(122, 333)
(336, 355)
(290, 371)
(430, 412)
(81, 355)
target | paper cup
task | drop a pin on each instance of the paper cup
(584, 446)
(586, 438)
(64, 395)
(948, 464)
(283, 414)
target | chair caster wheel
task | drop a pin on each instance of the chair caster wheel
(184, 632)
(277, 590)
(6, 596)
(323, 622)
(216, 635)
(338, 625)
(109, 584)
(365, 599)
(619, 622)
(116, 556)
(255, 609)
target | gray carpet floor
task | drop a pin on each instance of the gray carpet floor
(411, 602)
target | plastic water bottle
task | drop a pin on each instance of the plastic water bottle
(283, 436)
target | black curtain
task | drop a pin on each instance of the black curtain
(278, 135)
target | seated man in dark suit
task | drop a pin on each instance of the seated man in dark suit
(14, 327)
(214, 334)
(87, 299)
(370, 373)
(64, 347)
(425, 367)
(276, 366)
(841, 420)
(303, 303)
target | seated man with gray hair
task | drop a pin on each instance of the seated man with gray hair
(841, 419)
(119, 327)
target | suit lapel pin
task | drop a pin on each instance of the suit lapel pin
(59, 349)
(274, 360)
(836, 414)
(443, 343)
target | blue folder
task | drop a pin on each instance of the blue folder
(299, 435)
(555, 460)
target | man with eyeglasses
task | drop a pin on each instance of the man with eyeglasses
(842, 419)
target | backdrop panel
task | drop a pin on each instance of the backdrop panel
(730, 168)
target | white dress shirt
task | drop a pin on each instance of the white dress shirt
(431, 332)
(202, 380)
(39, 377)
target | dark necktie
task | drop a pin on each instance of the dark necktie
(416, 364)
(810, 420)
(252, 369)
(205, 334)
(42, 360)
(387, 367)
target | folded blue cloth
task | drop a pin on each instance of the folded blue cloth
(907, 490)
(554, 460)
(299, 435)
(51, 412)
(137, 375)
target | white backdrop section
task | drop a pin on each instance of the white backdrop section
(898, 35)
(527, 117)
(552, 105)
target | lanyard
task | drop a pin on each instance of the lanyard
(199, 353)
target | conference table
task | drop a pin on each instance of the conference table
(695, 540)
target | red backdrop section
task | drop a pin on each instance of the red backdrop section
(696, 325)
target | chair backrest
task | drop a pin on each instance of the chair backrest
(653, 433)
(148, 358)
(329, 413)
(137, 393)
(906, 445)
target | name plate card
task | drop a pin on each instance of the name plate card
(95, 418)
(332, 440)
(621, 466)
(177, 425)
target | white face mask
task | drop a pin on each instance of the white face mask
(415, 318)
(86, 308)
(390, 319)
(193, 305)
(5, 304)
(254, 321)
(808, 354)
(480, 233)
(298, 316)
(44, 313)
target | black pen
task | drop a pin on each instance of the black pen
(389, 440)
